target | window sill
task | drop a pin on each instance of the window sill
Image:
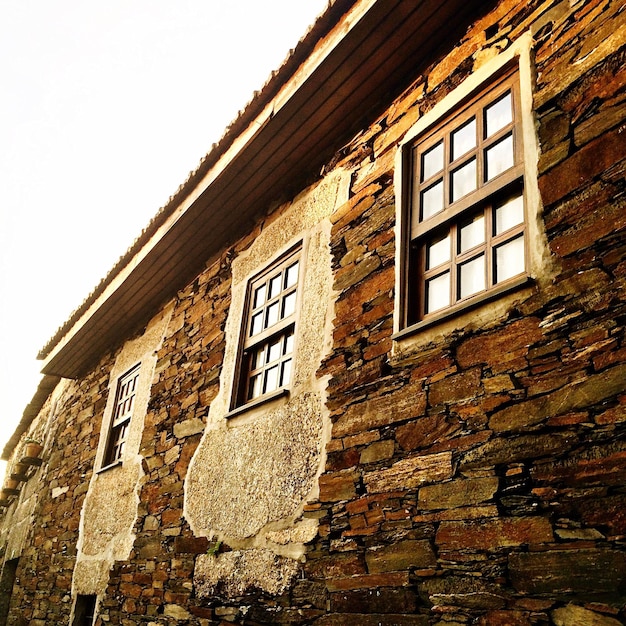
(462, 307)
(253, 404)
(106, 468)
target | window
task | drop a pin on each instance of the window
(84, 611)
(467, 232)
(122, 412)
(268, 333)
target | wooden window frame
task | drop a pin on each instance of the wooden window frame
(483, 198)
(283, 330)
(123, 407)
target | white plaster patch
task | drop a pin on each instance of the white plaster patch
(110, 508)
(258, 472)
(232, 574)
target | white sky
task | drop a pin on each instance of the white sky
(105, 107)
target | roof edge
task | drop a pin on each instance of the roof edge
(322, 26)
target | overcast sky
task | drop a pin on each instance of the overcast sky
(105, 107)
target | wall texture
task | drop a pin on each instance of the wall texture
(473, 475)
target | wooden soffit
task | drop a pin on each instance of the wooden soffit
(366, 56)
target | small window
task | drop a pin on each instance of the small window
(467, 227)
(268, 334)
(122, 413)
(84, 611)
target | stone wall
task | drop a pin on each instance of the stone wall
(476, 477)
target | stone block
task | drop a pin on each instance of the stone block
(582, 167)
(457, 493)
(410, 473)
(337, 486)
(401, 555)
(455, 388)
(493, 534)
(516, 449)
(598, 465)
(582, 574)
(401, 405)
(378, 451)
(356, 619)
(369, 581)
(572, 615)
(426, 431)
(385, 600)
(491, 348)
(191, 545)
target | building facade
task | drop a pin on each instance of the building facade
(368, 365)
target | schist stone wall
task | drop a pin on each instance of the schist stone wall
(474, 473)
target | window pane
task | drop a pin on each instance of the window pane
(285, 374)
(272, 314)
(432, 161)
(464, 180)
(255, 387)
(257, 324)
(464, 139)
(273, 353)
(498, 115)
(289, 304)
(259, 297)
(509, 214)
(472, 233)
(510, 259)
(432, 200)
(288, 344)
(438, 292)
(499, 157)
(291, 275)
(438, 251)
(258, 358)
(274, 287)
(472, 277)
(271, 379)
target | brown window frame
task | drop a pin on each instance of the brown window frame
(483, 198)
(254, 383)
(123, 407)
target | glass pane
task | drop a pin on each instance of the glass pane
(271, 379)
(258, 358)
(285, 374)
(499, 157)
(432, 161)
(291, 275)
(289, 304)
(288, 344)
(464, 180)
(272, 314)
(273, 353)
(257, 324)
(438, 251)
(472, 233)
(438, 292)
(472, 277)
(274, 287)
(498, 115)
(510, 259)
(432, 200)
(259, 297)
(255, 386)
(464, 139)
(510, 214)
